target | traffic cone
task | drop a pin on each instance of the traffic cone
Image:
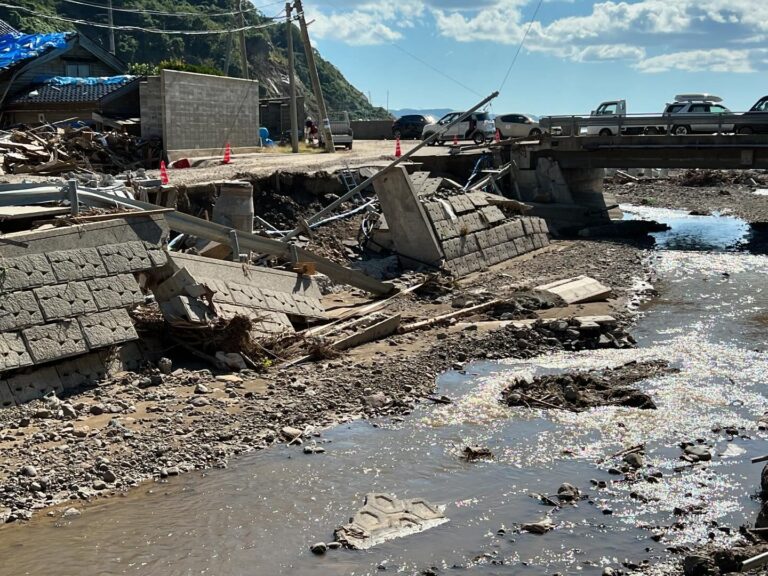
(398, 151)
(498, 135)
(455, 140)
(227, 154)
(163, 173)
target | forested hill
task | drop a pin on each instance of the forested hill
(267, 47)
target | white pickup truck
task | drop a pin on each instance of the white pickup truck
(611, 111)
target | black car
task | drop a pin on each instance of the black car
(758, 112)
(410, 126)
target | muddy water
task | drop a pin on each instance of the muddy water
(259, 516)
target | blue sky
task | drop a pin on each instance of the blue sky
(578, 53)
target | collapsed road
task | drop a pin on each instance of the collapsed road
(358, 394)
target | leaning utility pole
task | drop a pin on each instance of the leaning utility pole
(325, 123)
(243, 51)
(111, 28)
(292, 81)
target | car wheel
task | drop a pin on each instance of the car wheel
(349, 146)
(478, 137)
(606, 132)
(746, 130)
(681, 130)
(536, 132)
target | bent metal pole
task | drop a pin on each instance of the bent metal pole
(365, 183)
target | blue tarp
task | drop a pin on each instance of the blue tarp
(16, 47)
(90, 81)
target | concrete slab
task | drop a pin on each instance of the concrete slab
(54, 341)
(125, 257)
(27, 271)
(34, 385)
(85, 370)
(577, 290)
(121, 291)
(384, 517)
(19, 310)
(81, 264)
(6, 398)
(65, 300)
(13, 351)
(380, 330)
(107, 328)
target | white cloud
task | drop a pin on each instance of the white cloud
(651, 35)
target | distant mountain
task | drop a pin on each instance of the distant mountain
(437, 113)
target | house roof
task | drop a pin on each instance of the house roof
(6, 28)
(16, 48)
(62, 90)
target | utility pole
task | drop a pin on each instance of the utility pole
(292, 81)
(325, 123)
(111, 28)
(243, 51)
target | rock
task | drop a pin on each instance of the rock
(99, 485)
(172, 471)
(43, 413)
(71, 513)
(333, 545)
(165, 365)
(199, 401)
(608, 571)
(68, 411)
(568, 493)
(472, 453)
(291, 433)
(81, 431)
(97, 409)
(699, 453)
(202, 389)
(319, 548)
(699, 566)
(29, 471)
(229, 379)
(539, 527)
(233, 360)
(314, 450)
(108, 476)
(634, 460)
(377, 400)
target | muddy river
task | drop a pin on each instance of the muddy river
(259, 516)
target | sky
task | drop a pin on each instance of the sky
(577, 53)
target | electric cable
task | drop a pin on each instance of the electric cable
(141, 29)
(179, 14)
(520, 46)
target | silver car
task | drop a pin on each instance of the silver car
(687, 111)
(518, 125)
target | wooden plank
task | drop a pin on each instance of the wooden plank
(378, 331)
(446, 317)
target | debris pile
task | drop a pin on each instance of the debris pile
(49, 151)
(582, 390)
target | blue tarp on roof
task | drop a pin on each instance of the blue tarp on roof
(89, 81)
(16, 47)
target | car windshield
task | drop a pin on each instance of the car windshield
(533, 117)
(481, 116)
(761, 106)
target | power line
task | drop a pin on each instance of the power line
(139, 28)
(520, 46)
(179, 14)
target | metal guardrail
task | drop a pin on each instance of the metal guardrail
(572, 125)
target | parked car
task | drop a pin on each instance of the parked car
(410, 126)
(517, 125)
(687, 105)
(477, 127)
(746, 124)
(341, 130)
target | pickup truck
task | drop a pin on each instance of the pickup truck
(341, 130)
(611, 111)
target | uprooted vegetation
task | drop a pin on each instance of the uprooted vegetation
(711, 178)
(578, 391)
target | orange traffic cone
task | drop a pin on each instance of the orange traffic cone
(398, 151)
(498, 135)
(163, 173)
(227, 154)
(455, 140)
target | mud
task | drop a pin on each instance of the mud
(579, 391)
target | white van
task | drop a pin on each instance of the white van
(478, 127)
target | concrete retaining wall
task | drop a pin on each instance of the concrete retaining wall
(207, 112)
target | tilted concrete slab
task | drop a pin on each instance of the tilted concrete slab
(65, 300)
(13, 352)
(107, 328)
(78, 264)
(54, 341)
(34, 385)
(120, 291)
(19, 310)
(578, 290)
(384, 517)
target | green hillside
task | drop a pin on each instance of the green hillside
(267, 47)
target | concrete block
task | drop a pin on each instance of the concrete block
(65, 300)
(13, 352)
(243, 295)
(54, 341)
(6, 398)
(511, 249)
(528, 226)
(125, 257)
(435, 211)
(492, 215)
(521, 245)
(578, 290)
(107, 328)
(80, 264)
(128, 356)
(157, 255)
(121, 291)
(36, 384)
(516, 229)
(185, 310)
(544, 240)
(451, 248)
(19, 310)
(484, 238)
(82, 371)
(544, 227)
(536, 240)
(27, 272)
(528, 243)
(477, 199)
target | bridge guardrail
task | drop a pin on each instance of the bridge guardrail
(571, 125)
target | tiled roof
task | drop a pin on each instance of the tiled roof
(6, 28)
(73, 93)
(16, 47)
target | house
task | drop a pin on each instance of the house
(62, 76)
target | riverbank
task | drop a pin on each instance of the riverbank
(138, 427)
